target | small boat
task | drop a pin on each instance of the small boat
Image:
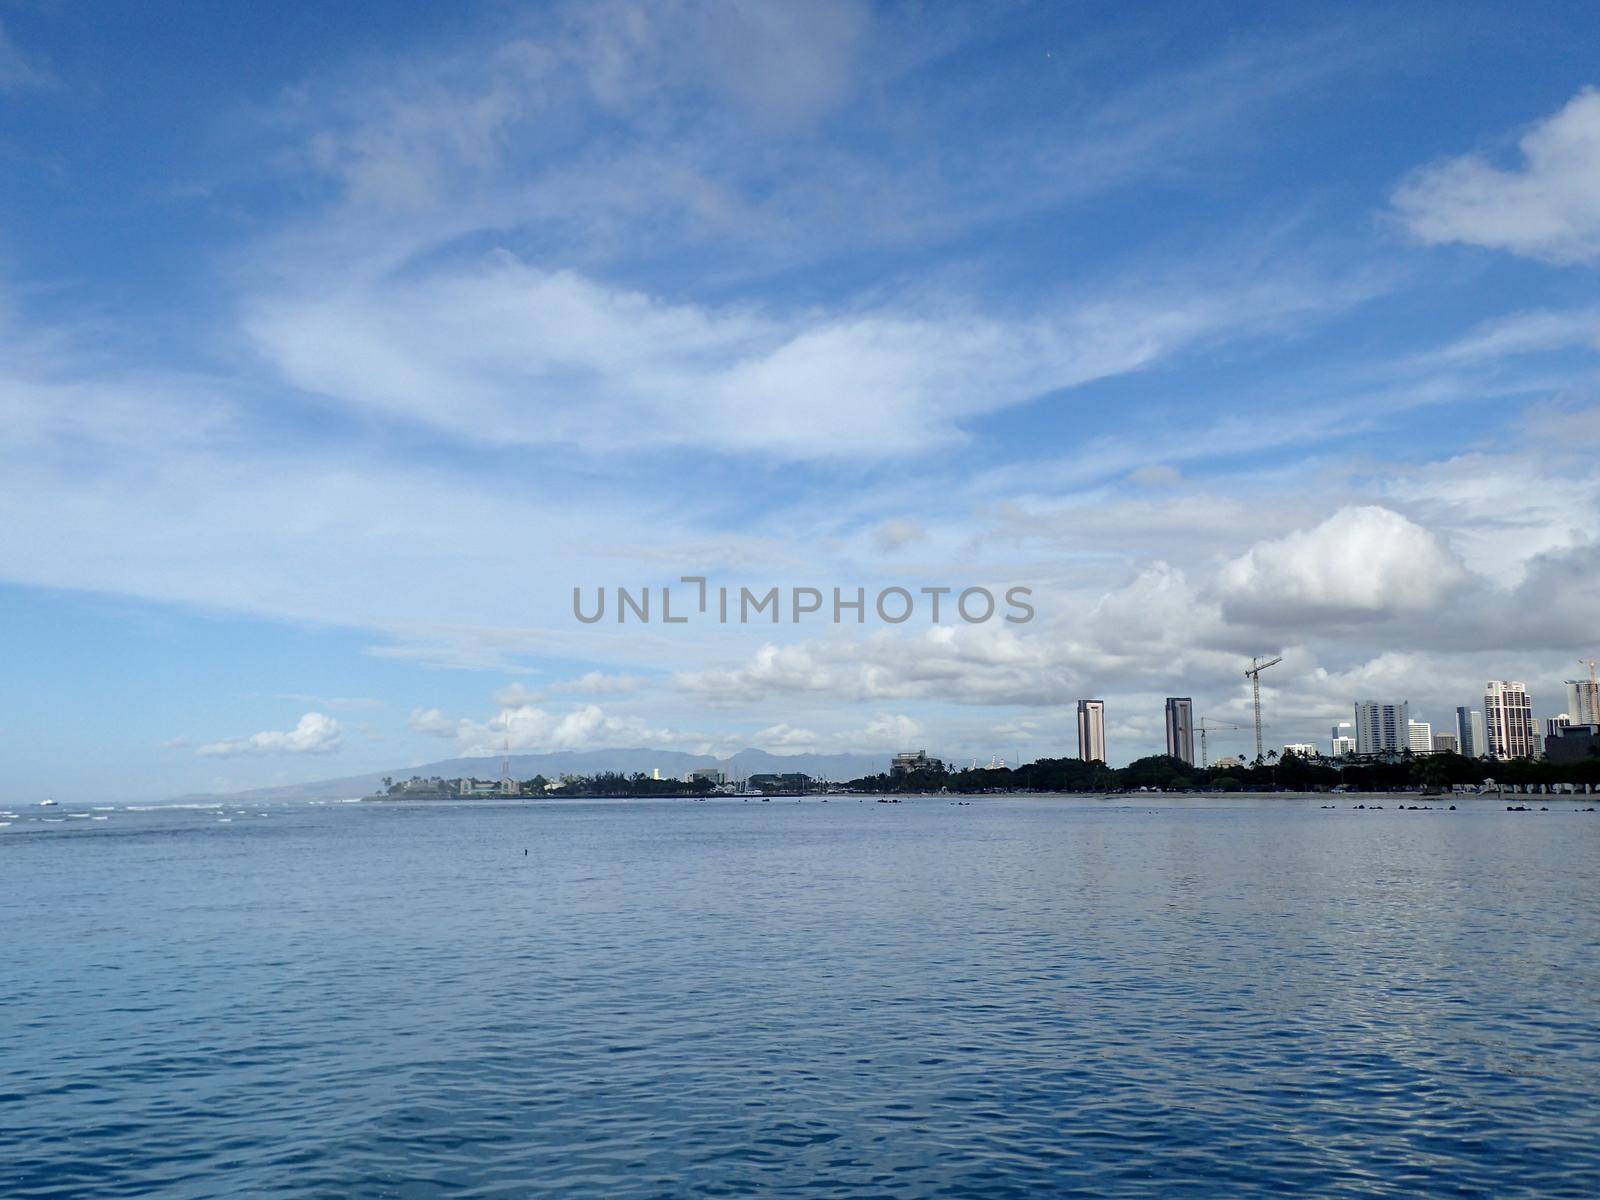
(47, 804)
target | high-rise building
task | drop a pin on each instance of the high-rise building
(1180, 728)
(1445, 743)
(1471, 734)
(1583, 701)
(1092, 730)
(1344, 739)
(1508, 718)
(1419, 737)
(1381, 728)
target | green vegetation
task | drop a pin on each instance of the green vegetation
(611, 783)
(1291, 772)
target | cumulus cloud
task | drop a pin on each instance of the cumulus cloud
(529, 728)
(314, 734)
(1548, 207)
(1361, 563)
(1150, 630)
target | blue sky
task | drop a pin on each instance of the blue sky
(338, 344)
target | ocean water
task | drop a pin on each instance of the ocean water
(1016, 997)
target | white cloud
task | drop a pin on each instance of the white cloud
(529, 728)
(780, 64)
(591, 683)
(314, 734)
(1546, 208)
(1503, 508)
(387, 298)
(1535, 332)
(500, 352)
(1152, 629)
(1362, 562)
(783, 736)
(897, 534)
(884, 733)
(887, 731)
(432, 722)
(513, 695)
(598, 683)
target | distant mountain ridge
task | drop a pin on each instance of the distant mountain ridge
(672, 764)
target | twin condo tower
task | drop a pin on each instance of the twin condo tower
(1092, 729)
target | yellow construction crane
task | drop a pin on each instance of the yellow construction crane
(1254, 673)
(1204, 728)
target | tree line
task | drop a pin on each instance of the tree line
(1288, 772)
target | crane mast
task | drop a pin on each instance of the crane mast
(1254, 672)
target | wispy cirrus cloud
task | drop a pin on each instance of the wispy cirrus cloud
(1538, 331)
(20, 71)
(504, 353)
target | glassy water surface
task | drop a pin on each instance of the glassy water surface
(1016, 997)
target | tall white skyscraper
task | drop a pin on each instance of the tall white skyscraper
(1180, 728)
(1381, 728)
(1092, 730)
(1419, 737)
(1508, 718)
(1583, 702)
(1344, 739)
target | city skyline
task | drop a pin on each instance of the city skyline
(1386, 728)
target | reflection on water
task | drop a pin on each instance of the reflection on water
(1016, 997)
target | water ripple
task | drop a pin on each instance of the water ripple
(1016, 998)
